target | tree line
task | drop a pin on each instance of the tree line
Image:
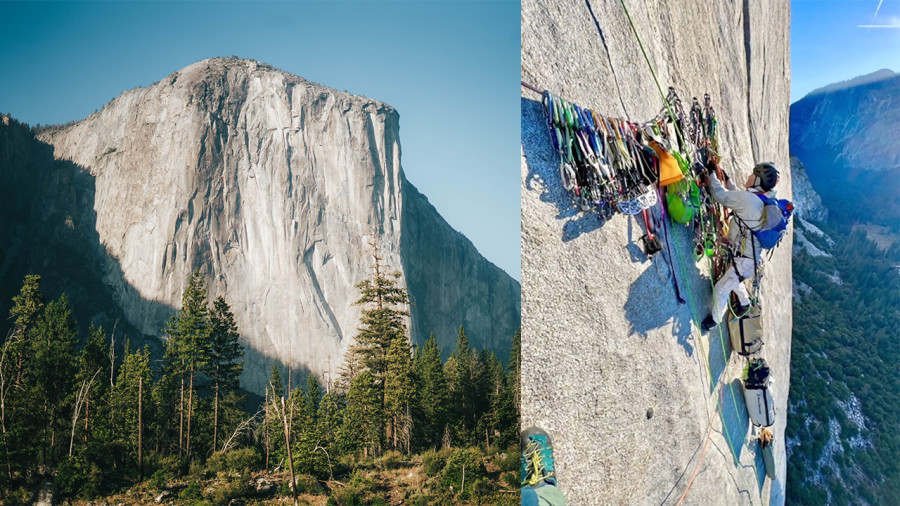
(90, 417)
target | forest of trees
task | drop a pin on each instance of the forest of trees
(845, 344)
(94, 420)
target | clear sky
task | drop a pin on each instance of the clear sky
(451, 69)
(837, 40)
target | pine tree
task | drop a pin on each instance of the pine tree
(399, 395)
(225, 364)
(18, 438)
(134, 377)
(28, 306)
(382, 325)
(515, 372)
(314, 397)
(51, 376)
(93, 368)
(460, 370)
(362, 426)
(189, 331)
(432, 393)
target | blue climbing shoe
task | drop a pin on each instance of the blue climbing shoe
(537, 458)
(708, 324)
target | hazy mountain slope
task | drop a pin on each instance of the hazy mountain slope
(845, 134)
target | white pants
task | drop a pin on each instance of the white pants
(728, 283)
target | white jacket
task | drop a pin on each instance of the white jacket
(748, 207)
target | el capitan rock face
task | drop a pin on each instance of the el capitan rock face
(273, 186)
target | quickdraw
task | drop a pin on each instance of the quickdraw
(612, 165)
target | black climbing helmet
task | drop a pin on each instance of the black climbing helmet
(766, 175)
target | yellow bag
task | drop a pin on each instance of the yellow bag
(669, 171)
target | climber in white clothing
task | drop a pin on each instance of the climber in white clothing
(748, 208)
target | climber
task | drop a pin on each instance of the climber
(538, 475)
(745, 249)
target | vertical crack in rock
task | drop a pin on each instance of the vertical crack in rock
(748, 52)
(612, 68)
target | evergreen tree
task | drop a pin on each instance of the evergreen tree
(189, 332)
(17, 437)
(491, 384)
(314, 397)
(134, 376)
(399, 395)
(515, 372)
(460, 370)
(382, 324)
(225, 364)
(51, 378)
(432, 393)
(329, 421)
(28, 306)
(362, 427)
(93, 369)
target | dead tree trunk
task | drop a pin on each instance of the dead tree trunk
(181, 417)
(140, 428)
(187, 443)
(80, 399)
(216, 417)
(283, 415)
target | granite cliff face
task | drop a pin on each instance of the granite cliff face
(807, 202)
(643, 407)
(273, 186)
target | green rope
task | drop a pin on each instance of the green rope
(680, 258)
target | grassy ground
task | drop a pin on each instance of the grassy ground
(450, 476)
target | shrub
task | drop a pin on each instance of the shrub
(235, 460)
(307, 484)
(347, 496)
(510, 461)
(512, 480)
(76, 477)
(191, 492)
(482, 487)
(434, 462)
(461, 458)
(169, 467)
(198, 470)
(390, 460)
(360, 479)
(233, 488)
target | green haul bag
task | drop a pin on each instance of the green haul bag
(746, 334)
(683, 201)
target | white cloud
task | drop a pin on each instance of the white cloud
(891, 22)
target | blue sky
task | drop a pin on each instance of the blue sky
(831, 41)
(450, 68)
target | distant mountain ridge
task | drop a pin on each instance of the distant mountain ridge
(846, 136)
(878, 75)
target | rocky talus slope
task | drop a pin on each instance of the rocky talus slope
(614, 368)
(272, 186)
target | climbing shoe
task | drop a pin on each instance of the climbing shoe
(708, 324)
(537, 458)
